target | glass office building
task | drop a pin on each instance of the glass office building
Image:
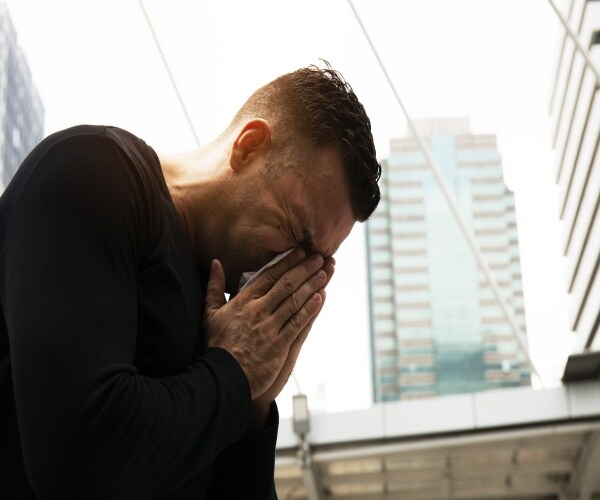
(21, 110)
(435, 323)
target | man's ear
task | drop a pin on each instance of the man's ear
(253, 139)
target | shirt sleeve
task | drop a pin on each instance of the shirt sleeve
(91, 426)
(251, 461)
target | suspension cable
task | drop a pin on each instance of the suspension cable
(515, 328)
(173, 83)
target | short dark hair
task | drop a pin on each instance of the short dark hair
(319, 105)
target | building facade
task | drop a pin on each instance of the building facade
(435, 323)
(575, 111)
(21, 110)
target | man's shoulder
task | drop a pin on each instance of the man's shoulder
(89, 157)
(96, 140)
(89, 133)
(83, 131)
(89, 138)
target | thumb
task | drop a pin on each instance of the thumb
(215, 290)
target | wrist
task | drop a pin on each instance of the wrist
(259, 414)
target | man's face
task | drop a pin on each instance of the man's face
(287, 210)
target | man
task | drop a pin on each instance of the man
(123, 371)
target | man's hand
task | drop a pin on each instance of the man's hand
(260, 406)
(260, 324)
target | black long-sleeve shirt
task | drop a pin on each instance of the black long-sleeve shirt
(105, 388)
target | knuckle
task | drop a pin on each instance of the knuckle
(271, 278)
(319, 278)
(295, 322)
(295, 302)
(287, 285)
(257, 315)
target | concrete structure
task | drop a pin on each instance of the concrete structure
(511, 443)
(436, 325)
(21, 110)
(575, 109)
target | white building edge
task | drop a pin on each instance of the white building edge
(575, 110)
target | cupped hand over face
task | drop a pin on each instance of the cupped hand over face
(260, 324)
(272, 392)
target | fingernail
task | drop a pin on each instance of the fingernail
(316, 297)
(318, 258)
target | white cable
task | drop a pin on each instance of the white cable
(299, 391)
(164, 60)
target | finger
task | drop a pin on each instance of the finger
(295, 348)
(269, 277)
(288, 285)
(299, 341)
(329, 268)
(215, 290)
(290, 361)
(297, 322)
(300, 298)
(292, 357)
(296, 345)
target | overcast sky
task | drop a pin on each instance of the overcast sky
(94, 61)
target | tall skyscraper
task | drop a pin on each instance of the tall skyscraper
(576, 141)
(21, 110)
(436, 325)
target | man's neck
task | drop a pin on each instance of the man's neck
(194, 180)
